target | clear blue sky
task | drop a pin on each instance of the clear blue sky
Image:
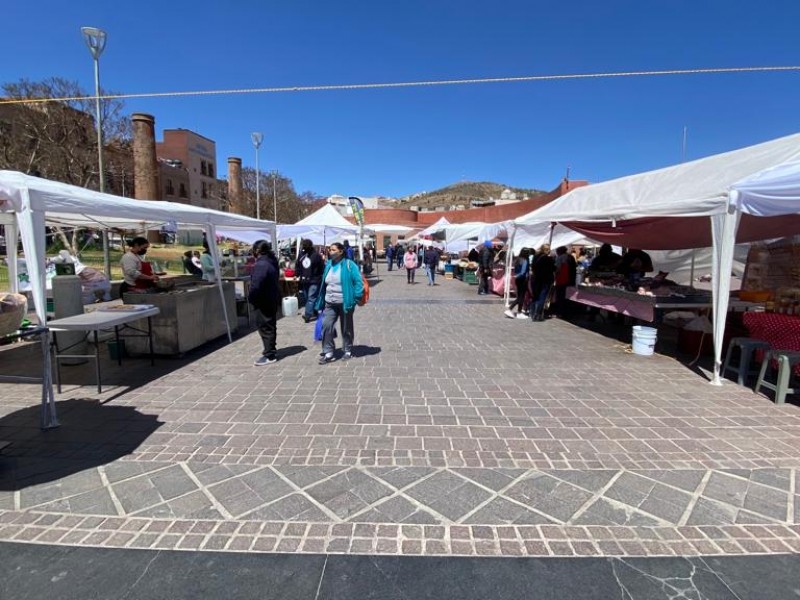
(401, 141)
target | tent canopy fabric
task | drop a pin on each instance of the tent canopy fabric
(766, 176)
(435, 228)
(326, 216)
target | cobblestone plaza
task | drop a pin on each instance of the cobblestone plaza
(452, 432)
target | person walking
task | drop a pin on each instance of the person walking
(485, 267)
(542, 276)
(431, 260)
(309, 270)
(521, 284)
(265, 296)
(348, 251)
(390, 256)
(341, 290)
(410, 263)
(398, 255)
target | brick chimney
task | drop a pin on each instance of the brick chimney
(145, 163)
(235, 185)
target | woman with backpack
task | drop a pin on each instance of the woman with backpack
(342, 289)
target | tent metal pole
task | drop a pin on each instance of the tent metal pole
(509, 262)
(211, 238)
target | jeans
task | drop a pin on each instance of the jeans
(311, 291)
(268, 330)
(522, 287)
(483, 285)
(389, 262)
(330, 315)
(410, 275)
(431, 273)
(399, 260)
(537, 306)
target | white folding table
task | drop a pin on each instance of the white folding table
(94, 322)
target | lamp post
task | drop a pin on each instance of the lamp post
(274, 196)
(96, 42)
(257, 138)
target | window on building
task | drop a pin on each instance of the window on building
(210, 169)
(170, 190)
(182, 190)
(203, 170)
(203, 189)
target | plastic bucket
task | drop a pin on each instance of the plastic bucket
(644, 340)
(289, 306)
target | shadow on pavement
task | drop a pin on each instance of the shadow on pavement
(365, 350)
(91, 434)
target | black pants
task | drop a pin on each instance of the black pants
(268, 330)
(522, 287)
(483, 282)
(410, 275)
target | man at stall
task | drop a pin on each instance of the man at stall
(137, 273)
(635, 263)
(606, 260)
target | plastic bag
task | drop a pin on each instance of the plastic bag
(318, 329)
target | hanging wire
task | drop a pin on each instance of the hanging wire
(408, 84)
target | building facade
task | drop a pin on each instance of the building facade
(197, 155)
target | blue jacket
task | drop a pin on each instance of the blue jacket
(352, 287)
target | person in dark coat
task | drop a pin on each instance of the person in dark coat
(485, 267)
(566, 270)
(542, 276)
(398, 254)
(431, 261)
(265, 296)
(309, 270)
(390, 256)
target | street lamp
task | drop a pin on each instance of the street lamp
(274, 201)
(257, 138)
(96, 42)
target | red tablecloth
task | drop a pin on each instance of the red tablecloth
(781, 331)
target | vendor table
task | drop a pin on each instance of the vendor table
(645, 308)
(48, 419)
(96, 321)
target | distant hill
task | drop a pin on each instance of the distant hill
(463, 193)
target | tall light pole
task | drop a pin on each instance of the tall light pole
(274, 196)
(257, 138)
(96, 42)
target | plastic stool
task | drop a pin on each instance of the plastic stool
(786, 362)
(746, 348)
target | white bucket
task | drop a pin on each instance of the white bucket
(289, 306)
(644, 340)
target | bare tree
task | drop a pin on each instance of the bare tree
(56, 140)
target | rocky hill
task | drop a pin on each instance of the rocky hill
(463, 193)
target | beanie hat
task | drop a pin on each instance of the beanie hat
(488, 243)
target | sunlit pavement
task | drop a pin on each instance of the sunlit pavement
(453, 432)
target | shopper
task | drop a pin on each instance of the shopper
(410, 263)
(390, 256)
(542, 275)
(485, 267)
(341, 290)
(265, 296)
(309, 270)
(520, 283)
(565, 271)
(431, 260)
(207, 264)
(398, 255)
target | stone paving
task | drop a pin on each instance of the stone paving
(452, 431)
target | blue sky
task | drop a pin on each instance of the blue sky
(400, 141)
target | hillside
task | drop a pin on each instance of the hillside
(463, 193)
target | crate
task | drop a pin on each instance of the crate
(471, 277)
(448, 275)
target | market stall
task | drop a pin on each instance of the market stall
(744, 195)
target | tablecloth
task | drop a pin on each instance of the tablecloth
(782, 332)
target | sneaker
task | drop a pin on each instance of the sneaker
(522, 316)
(265, 360)
(509, 314)
(326, 358)
(347, 356)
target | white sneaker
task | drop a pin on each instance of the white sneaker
(522, 316)
(508, 313)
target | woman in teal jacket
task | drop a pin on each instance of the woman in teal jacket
(341, 289)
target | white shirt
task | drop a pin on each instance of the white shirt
(131, 267)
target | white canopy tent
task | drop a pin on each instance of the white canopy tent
(28, 204)
(745, 195)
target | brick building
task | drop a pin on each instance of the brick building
(196, 155)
